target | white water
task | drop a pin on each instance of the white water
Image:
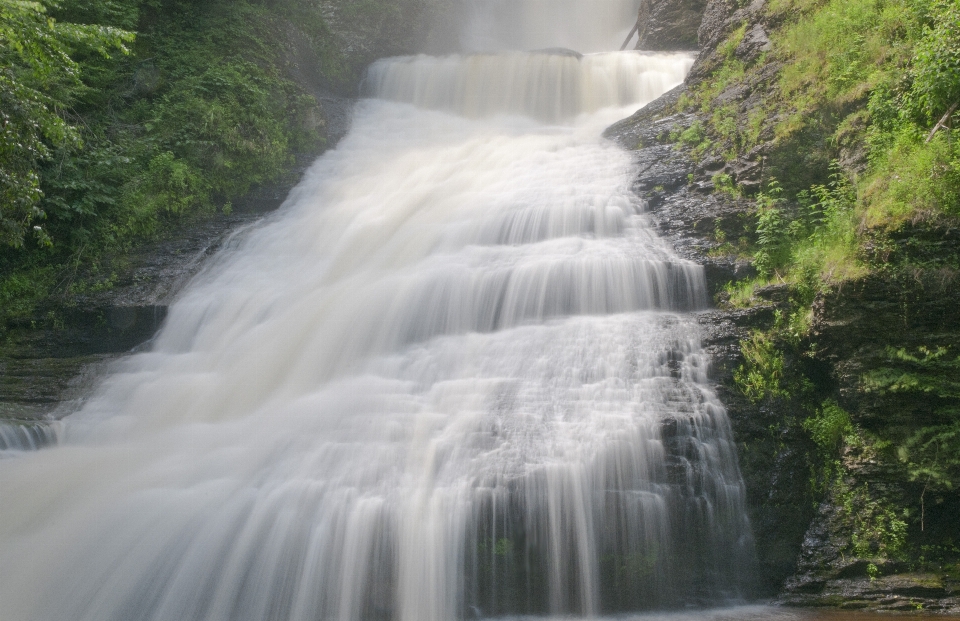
(28, 435)
(550, 87)
(454, 376)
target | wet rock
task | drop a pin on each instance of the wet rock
(855, 328)
(662, 170)
(672, 25)
(652, 124)
(803, 543)
(772, 454)
(851, 588)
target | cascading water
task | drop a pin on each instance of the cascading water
(454, 376)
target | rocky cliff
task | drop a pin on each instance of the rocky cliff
(834, 387)
(670, 24)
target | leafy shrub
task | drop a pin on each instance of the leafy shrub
(877, 530)
(39, 80)
(828, 427)
(761, 375)
(936, 62)
(105, 141)
(773, 233)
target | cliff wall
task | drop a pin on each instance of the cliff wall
(837, 333)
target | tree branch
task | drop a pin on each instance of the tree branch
(942, 122)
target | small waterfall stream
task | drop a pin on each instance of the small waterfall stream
(455, 376)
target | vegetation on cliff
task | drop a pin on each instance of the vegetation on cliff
(832, 122)
(124, 118)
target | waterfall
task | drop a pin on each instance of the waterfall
(550, 85)
(28, 435)
(457, 375)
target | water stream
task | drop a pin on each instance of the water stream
(457, 375)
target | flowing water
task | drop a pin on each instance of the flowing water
(456, 375)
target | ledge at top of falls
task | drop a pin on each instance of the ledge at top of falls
(551, 86)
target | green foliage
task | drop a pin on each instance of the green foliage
(903, 59)
(929, 376)
(811, 242)
(728, 47)
(39, 81)
(740, 294)
(828, 252)
(106, 141)
(170, 184)
(828, 427)
(932, 456)
(877, 529)
(761, 376)
(841, 49)
(692, 136)
(914, 179)
(928, 370)
(211, 115)
(724, 123)
(20, 292)
(773, 232)
(936, 61)
(723, 183)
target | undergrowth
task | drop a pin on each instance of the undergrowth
(121, 120)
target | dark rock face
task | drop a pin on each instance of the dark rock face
(856, 324)
(805, 538)
(672, 25)
(828, 575)
(754, 43)
(720, 19)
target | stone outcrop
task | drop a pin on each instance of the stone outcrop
(671, 25)
(805, 537)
